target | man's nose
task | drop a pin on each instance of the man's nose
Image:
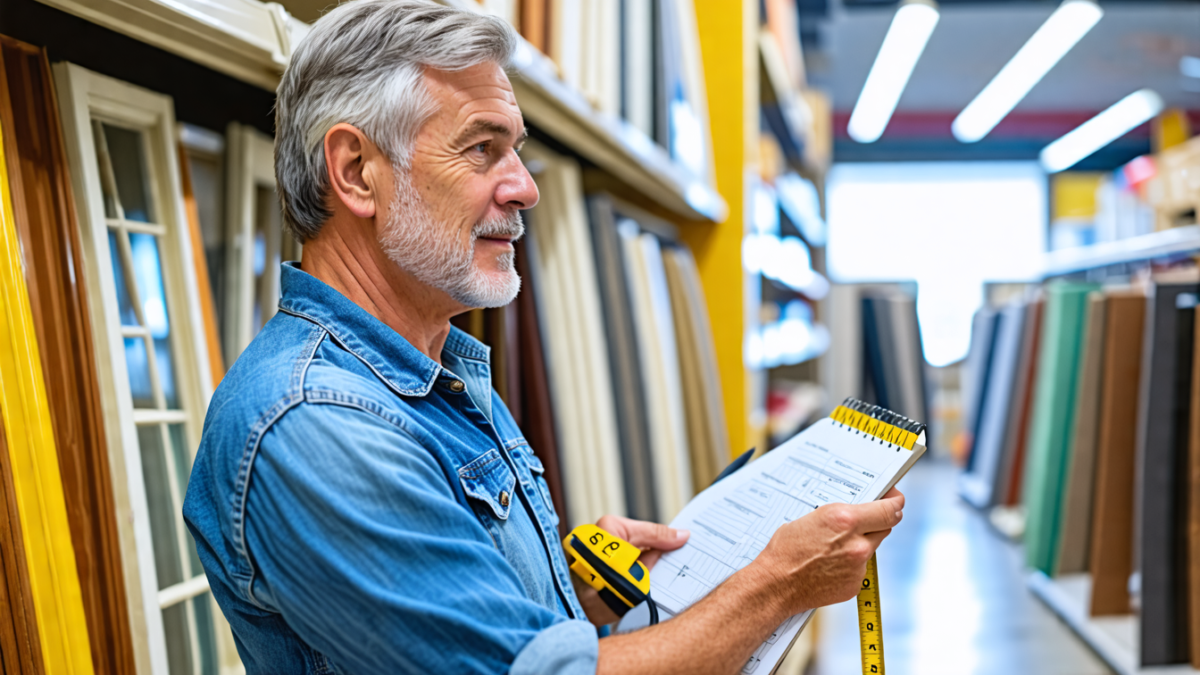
(517, 189)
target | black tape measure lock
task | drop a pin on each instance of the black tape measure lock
(610, 565)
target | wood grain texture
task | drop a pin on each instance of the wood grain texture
(20, 653)
(1111, 559)
(49, 235)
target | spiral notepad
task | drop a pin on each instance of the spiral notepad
(853, 456)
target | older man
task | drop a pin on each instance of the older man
(362, 501)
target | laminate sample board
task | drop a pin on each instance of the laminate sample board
(580, 376)
(1074, 544)
(535, 415)
(1011, 477)
(707, 441)
(659, 356)
(975, 374)
(1053, 424)
(1111, 559)
(624, 360)
(637, 64)
(977, 485)
(1160, 483)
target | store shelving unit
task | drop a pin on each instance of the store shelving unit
(611, 143)
(1113, 638)
(1177, 241)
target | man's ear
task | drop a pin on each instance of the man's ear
(348, 155)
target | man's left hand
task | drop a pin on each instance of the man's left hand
(653, 539)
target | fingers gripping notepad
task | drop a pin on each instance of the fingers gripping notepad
(854, 456)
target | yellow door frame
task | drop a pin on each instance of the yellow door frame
(45, 531)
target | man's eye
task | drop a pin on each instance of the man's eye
(480, 147)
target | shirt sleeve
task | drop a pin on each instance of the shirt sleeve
(358, 542)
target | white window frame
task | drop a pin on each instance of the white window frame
(250, 165)
(83, 96)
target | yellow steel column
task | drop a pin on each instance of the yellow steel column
(728, 31)
(50, 555)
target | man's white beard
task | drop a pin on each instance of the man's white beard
(430, 251)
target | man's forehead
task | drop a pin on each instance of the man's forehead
(486, 80)
(478, 93)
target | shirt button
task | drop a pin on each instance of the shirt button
(457, 386)
(504, 499)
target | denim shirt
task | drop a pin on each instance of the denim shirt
(359, 508)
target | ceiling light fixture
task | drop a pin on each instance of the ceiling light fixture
(1122, 117)
(902, 47)
(1189, 66)
(1065, 27)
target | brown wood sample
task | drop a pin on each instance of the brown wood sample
(533, 23)
(1076, 529)
(1111, 559)
(208, 309)
(49, 235)
(1022, 411)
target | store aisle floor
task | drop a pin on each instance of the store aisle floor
(954, 598)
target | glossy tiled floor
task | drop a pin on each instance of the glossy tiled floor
(954, 598)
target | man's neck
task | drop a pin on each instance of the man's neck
(354, 266)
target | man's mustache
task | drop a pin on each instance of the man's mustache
(510, 226)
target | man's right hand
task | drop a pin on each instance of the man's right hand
(817, 560)
(820, 559)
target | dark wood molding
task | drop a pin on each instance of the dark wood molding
(49, 234)
(20, 649)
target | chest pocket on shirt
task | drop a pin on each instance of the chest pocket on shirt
(489, 480)
(539, 477)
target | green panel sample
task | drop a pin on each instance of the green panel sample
(1051, 433)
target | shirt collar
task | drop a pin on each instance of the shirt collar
(402, 366)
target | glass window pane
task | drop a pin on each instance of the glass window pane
(129, 168)
(138, 365)
(179, 638)
(121, 280)
(162, 507)
(182, 455)
(107, 186)
(192, 636)
(268, 232)
(147, 273)
(206, 633)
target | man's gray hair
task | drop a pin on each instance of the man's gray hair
(363, 64)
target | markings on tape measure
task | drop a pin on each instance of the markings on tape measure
(870, 629)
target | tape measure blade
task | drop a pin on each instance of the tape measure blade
(870, 628)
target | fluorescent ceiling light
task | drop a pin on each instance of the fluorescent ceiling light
(1190, 66)
(1065, 27)
(902, 47)
(1125, 115)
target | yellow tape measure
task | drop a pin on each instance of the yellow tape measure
(870, 627)
(894, 429)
